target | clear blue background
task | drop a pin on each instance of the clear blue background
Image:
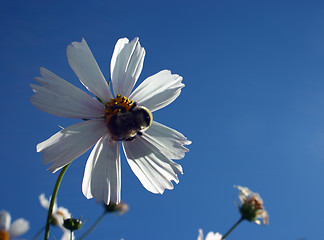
(253, 107)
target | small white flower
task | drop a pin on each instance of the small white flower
(252, 206)
(125, 116)
(7, 230)
(210, 236)
(59, 214)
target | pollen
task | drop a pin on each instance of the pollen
(4, 235)
(117, 105)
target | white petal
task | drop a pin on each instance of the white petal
(57, 219)
(213, 236)
(153, 169)
(126, 65)
(67, 234)
(64, 212)
(86, 68)
(59, 215)
(101, 178)
(19, 227)
(218, 236)
(5, 220)
(200, 235)
(244, 193)
(263, 214)
(158, 90)
(168, 141)
(71, 142)
(257, 197)
(45, 203)
(257, 221)
(58, 97)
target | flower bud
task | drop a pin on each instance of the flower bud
(119, 208)
(72, 224)
(252, 206)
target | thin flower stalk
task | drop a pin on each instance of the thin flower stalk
(50, 209)
(93, 226)
(232, 228)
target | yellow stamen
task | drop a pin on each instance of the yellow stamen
(4, 235)
(116, 105)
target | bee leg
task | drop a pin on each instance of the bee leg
(130, 139)
(135, 104)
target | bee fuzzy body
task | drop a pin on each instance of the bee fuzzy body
(125, 125)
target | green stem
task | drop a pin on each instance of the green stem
(50, 209)
(93, 226)
(38, 233)
(232, 228)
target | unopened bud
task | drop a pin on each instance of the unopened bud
(119, 208)
(252, 206)
(72, 224)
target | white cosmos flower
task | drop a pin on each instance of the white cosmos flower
(59, 214)
(210, 236)
(7, 230)
(149, 151)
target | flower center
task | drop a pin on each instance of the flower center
(57, 218)
(125, 119)
(251, 208)
(254, 203)
(60, 213)
(4, 235)
(117, 105)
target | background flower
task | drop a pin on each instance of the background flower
(59, 214)
(10, 230)
(252, 206)
(209, 236)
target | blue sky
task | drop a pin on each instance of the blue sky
(253, 106)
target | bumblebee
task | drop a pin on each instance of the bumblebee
(125, 125)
